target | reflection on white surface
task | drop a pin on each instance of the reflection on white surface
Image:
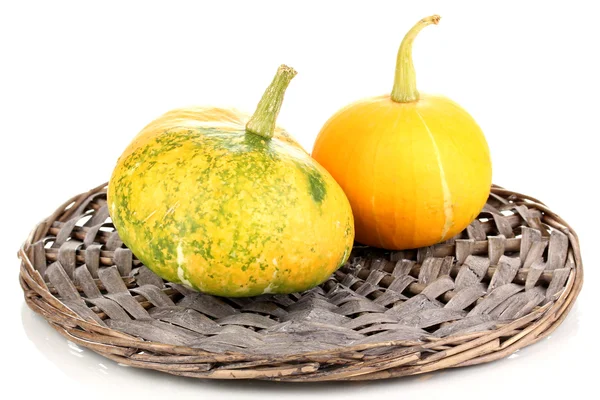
(85, 367)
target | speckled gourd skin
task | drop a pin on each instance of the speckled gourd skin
(204, 203)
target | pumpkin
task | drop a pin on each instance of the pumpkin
(416, 168)
(230, 205)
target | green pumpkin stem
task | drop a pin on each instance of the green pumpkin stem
(262, 122)
(405, 81)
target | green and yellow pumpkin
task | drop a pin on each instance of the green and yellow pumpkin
(230, 205)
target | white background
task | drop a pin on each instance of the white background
(78, 81)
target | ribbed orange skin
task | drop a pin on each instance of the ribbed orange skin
(415, 173)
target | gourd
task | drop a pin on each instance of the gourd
(230, 205)
(416, 168)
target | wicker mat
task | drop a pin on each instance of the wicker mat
(505, 282)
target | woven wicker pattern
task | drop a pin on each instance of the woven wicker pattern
(507, 281)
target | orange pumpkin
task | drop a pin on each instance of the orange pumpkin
(416, 168)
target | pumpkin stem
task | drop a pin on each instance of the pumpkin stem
(405, 81)
(262, 122)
